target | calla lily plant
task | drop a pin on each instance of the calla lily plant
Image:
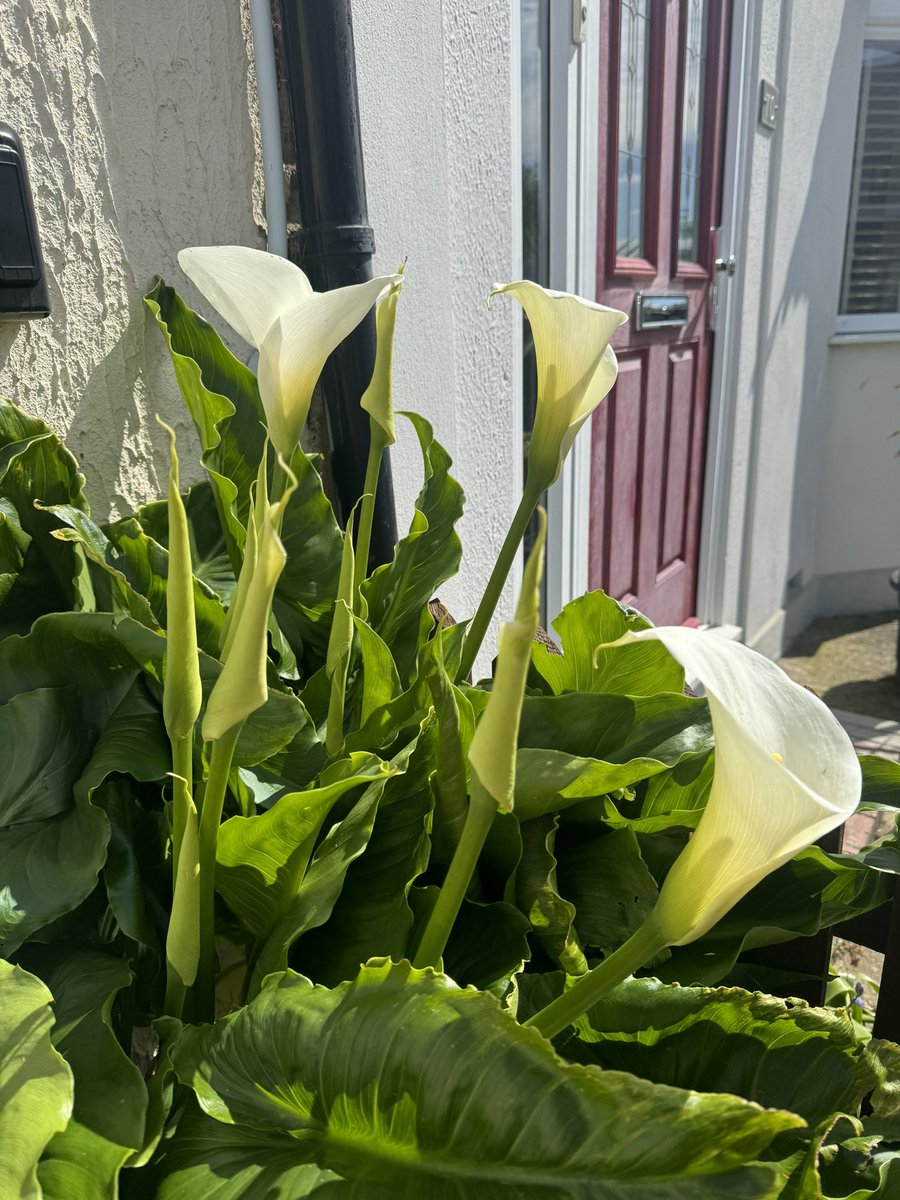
(785, 775)
(576, 369)
(271, 304)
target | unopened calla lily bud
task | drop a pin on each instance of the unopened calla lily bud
(492, 753)
(241, 687)
(182, 691)
(271, 304)
(785, 774)
(576, 368)
(378, 399)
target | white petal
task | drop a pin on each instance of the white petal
(249, 288)
(294, 351)
(786, 774)
(575, 367)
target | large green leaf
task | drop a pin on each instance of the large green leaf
(537, 895)
(411, 1087)
(640, 669)
(261, 860)
(46, 752)
(223, 399)
(373, 916)
(83, 1161)
(608, 883)
(209, 552)
(35, 1082)
(782, 1055)
(397, 592)
(881, 783)
(617, 729)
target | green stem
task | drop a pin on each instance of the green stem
(210, 818)
(482, 809)
(499, 575)
(640, 948)
(367, 507)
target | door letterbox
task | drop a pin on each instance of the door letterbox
(23, 282)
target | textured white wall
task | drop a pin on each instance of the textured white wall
(138, 125)
(797, 217)
(435, 87)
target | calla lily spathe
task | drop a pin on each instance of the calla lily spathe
(785, 774)
(576, 368)
(271, 304)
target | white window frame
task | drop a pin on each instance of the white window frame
(882, 24)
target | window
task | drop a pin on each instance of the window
(870, 287)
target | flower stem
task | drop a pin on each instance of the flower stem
(367, 507)
(480, 817)
(640, 948)
(210, 818)
(499, 575)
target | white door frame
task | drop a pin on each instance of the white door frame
(574, 116)
(574, 113)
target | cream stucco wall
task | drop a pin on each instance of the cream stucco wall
(138, 124)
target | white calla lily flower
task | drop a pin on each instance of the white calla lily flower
(576, 368)
(271, 304)
(785, 774)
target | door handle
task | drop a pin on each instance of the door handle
(727, 265)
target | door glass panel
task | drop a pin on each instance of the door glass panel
(692, 130)
(634, 53)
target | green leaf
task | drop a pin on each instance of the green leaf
(397, 592)
(223, 399)
(488, 944)
(107, 1127)
(456, 725)
(609, 884)
(373, 916)
(47, 751)
(881, 783)
(641, 669)
(261, 860)
(35, 1082)
(780, 1054)
(209, 552)
(411, 1087)
(14, 543)
(537, 895)
(380, 681)
(35, 465)
(811, 892)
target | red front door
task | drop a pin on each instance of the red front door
(660, 142)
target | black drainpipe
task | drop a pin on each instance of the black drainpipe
(335, 243)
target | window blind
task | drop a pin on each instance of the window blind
(871, 280)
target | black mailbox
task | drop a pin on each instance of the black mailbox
(23, 284)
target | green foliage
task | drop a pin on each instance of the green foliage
(362, 1077)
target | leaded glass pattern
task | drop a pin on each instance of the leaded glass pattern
(634, 56)
(693, 82)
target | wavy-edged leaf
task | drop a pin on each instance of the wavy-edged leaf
(35, 1082)
(14, 543)
(400, 1080)
(83, 1161)
(372, 915)
(397, 592)
(593, 620)
(537, 895)
(261, 860)
(881, 783)
(223, 399)
(780, 1054)
(45, 752)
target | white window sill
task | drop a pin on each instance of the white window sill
(864, 336)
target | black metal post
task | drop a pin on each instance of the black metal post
(335, 243)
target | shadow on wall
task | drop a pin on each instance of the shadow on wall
(788, 380)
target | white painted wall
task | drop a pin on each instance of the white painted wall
(138, 125)
(441, 151)
(797, 509)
